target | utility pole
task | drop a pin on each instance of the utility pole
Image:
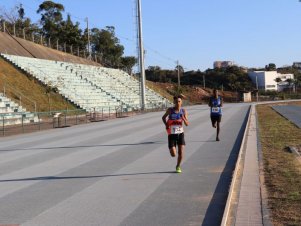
(256, 89)
(179, 82)
(204, 82)
(89, 53)
(141, 55)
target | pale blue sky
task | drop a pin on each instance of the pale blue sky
(196, 32)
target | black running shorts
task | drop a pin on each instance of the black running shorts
(175, 139)
(215, 118)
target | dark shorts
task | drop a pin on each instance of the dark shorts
(175, 139)
(215, 118)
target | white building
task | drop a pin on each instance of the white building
(266, 80)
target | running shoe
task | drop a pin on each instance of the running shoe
(178, 170)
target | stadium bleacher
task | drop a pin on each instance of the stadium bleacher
(12, 113)
(92, 88)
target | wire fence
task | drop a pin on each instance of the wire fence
(19, 123)
(79, 50)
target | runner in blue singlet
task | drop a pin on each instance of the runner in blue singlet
(174, 126)
(215, 104)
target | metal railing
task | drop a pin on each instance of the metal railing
(18, 123)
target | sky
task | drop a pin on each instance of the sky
(195, 32)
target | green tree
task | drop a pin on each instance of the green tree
(271, 67)
(51, 18)
(107, 45)
(290, 81)
(128, 62)
(71, 34)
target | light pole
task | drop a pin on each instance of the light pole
(256, 89)
(179, 82)
(88, 34)
(141, 55)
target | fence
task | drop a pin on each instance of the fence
(63, 118)
(36, 37)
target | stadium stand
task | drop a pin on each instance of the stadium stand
(11, 113)
(92, 88)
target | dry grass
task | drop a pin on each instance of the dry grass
(282, 170)
(14, 81)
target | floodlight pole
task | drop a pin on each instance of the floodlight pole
(89, 51)
(178, 67)
(141, 55)
(257, 89)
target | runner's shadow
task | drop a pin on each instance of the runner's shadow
(215, 210)
(47, 178)
(200, 141)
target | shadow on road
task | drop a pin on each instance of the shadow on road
(86, 146)
(217, 204)
(84, 177)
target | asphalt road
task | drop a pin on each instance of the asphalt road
(119, 172)
(290, 112)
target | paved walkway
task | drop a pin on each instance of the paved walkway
(249, 211)
(119, 172)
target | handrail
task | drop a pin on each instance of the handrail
(18, 92)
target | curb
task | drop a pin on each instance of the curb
(234, 178)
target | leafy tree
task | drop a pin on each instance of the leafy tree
(107, 45)
(290, 81)
(271, 67)
(181, 69)
(71, 34)
(51, 18)
(21, 12)
(128, 63)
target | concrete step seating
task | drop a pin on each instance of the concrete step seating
(12, 113)
(89, 87)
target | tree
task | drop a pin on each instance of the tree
(278, 80)
(290, 81)
(21, 12)
(71, 34)
(181, 69)
(107, 45)
(128, 62)
(271, 67)
(51, 18)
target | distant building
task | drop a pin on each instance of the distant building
(265, 80)
(223, 64)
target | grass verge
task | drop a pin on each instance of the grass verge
(282, 171)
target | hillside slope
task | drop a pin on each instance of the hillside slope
(18, 46)
(15, 82)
